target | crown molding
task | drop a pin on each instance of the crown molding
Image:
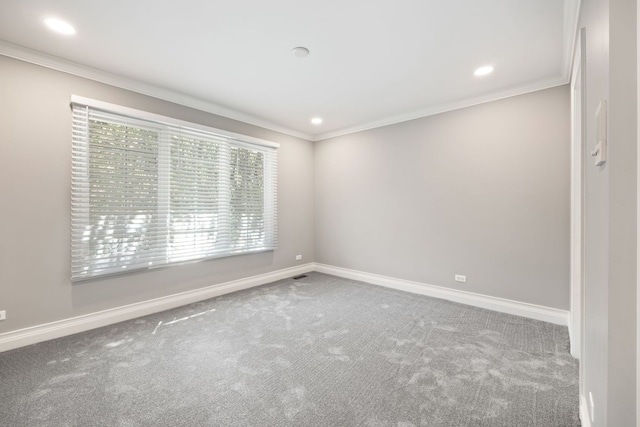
(443, 108)
(572, 8)
(569, 38)
(570, 34)
(49, 61)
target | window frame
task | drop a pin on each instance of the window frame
(80, 214)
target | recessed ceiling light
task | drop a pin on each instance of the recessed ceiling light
(483, 71)
(60, 26)
(300, 52)
(316, 121)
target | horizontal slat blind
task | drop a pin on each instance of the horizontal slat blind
(198, 223)
(252, 177)
(147, 193)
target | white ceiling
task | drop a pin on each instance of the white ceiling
(372, 62)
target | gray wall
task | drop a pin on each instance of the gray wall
(621, 394)
(610, 213)
(35, 154)
(482, 191)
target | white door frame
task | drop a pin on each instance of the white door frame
(578, 98)
(638, 217)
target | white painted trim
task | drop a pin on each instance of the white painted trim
(443, 108)
(578, 132)
(48, 331)
(532, 311)
(571, 335)
(637, 215)
(57, 329)
(570, 33)
(158, 118)
(585, 419)
(49, 61)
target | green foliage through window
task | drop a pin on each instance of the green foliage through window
(146, 194)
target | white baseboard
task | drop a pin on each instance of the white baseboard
(48, 331)
(57, 329)
(532, 311)
(585, 419)
(572, 343)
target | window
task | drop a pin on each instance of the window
(148, 191)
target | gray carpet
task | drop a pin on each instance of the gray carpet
(319, 351)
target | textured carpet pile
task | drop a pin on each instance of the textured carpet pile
(319, 351)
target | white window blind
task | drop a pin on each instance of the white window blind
(148, 191)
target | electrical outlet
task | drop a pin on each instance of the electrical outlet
(298, 257)
(3, 315)
(460, 278)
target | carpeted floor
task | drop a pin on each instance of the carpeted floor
(319, 351)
